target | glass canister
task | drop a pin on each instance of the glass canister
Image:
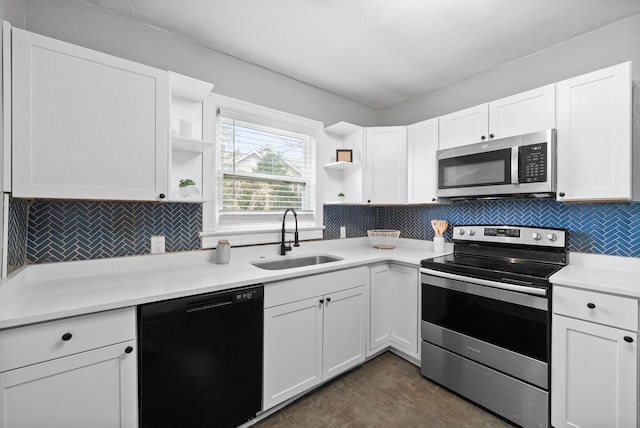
(223, 252)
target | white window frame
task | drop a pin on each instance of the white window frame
(251, 233)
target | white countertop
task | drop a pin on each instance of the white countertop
(44, 292)
(606, 274)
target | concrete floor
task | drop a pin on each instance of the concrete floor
(385, 392)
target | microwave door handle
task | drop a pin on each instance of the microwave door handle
(514, 165)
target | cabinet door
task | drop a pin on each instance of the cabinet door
(86, 125)
(464, 127)
(523, 113)
(380, 313)
(594, 375)
(386, 165)
(403, 302)
(344, 337)
(292, 349)
(92, 388)
(594, 135)
(422, 143)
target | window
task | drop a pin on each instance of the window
(264, 170)
(266, 162)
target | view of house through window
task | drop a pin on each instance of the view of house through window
(264, 170)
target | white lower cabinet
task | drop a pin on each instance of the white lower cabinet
(308, 340)
(394, 309)
(594, 367)
(93, 386)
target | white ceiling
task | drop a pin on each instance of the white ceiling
(378, 53)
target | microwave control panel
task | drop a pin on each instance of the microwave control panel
(532, 163)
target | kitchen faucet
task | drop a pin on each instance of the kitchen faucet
(284, 248)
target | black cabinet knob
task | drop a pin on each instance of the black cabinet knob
(67, 336)
(162, 196)
(328, 299)
(591, 305)
(369, 200)
(483, 138)
(561, 194)
(321, 301)
(128, 349)
(433, 199)
(491, 135)
(628, 339)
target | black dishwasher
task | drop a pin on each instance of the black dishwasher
(200, 359)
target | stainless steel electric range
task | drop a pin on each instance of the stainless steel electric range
(486, 317)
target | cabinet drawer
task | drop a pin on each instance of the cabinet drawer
(32, 344)
(293, 290)
(606, 309)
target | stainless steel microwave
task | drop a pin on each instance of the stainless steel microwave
(521, 166)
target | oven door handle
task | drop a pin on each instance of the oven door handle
(501, 285)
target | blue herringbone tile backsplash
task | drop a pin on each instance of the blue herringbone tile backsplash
(63, 230)
(17, 233)
(602, 228)
(66, 230)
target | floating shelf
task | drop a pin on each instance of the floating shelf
(339, 165)
(187, 144)
(342, 128)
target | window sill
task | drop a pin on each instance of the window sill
(258, 236)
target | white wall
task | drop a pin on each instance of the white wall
(613, 44)
(86, 25)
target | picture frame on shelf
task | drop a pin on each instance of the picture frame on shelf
(344, 155)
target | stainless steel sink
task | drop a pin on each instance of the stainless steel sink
(294, 262)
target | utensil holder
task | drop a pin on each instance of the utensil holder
(438, 244)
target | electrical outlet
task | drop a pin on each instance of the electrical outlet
(343, 232)
(157, 244)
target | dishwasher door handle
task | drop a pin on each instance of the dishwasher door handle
(204, 307)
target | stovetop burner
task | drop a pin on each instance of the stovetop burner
(511, 254)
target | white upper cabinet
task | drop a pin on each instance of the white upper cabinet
(594, 135)
(522, 113)
(463, 127)
(386, 165)
(422, 144)
(86, 125)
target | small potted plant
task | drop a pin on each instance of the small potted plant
(340, 197)
(187, 188)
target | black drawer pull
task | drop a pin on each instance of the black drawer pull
(128, 349)
(67, 336)
(321, 301)
(591, 305)
(328, 299)
(628, 339)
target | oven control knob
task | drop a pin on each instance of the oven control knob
(471, 232)
(536, 236)
(460, 231)
(552, 237)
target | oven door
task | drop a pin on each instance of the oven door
(503, 329)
